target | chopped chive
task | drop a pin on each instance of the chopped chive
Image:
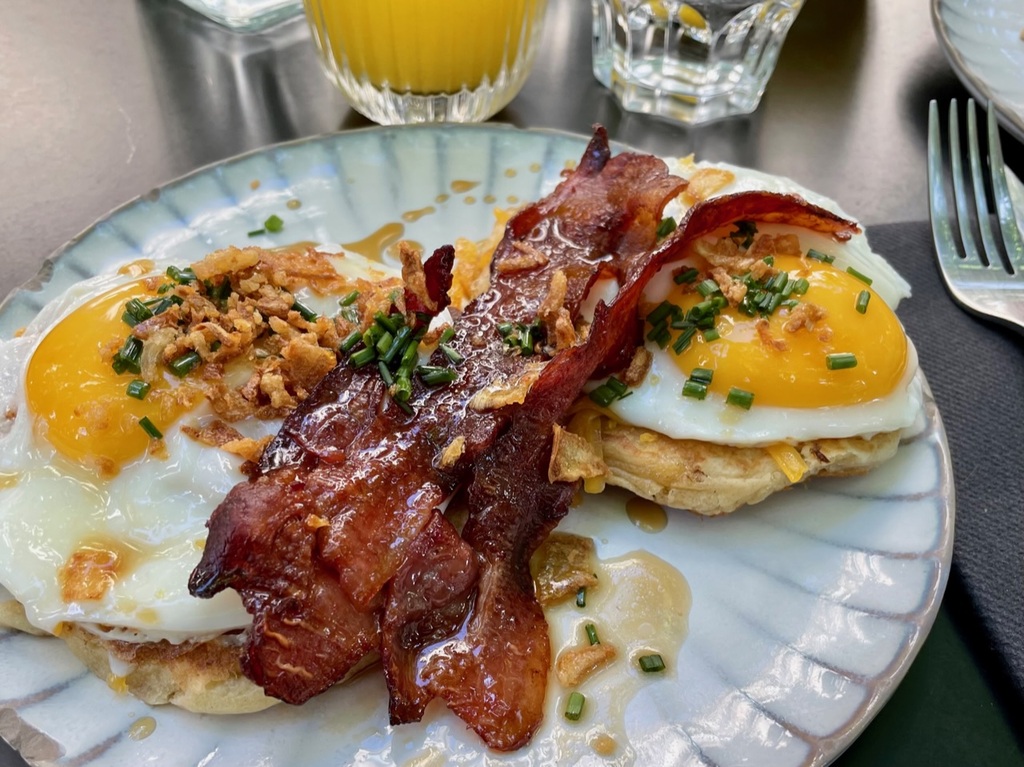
(384, 343)
(307, 314)
(840, 361)
(660, 313)
(185, 364)
(398, 346)
(617, 386)
(364, 356)
(591, 630)
(181, 276)
(859, 275)
(371, 336)
(862, 301)
(436, 376)
(703, 375)
(666, 227)
(817, 255)
(770, 260)
(127, 359)
(686, 276)
(778, 282)
(350, 299)
(150, 428)
(800, 286)
(256, 232)
(137, 389)
(135, 311)
(574, 708)
(274, 223)
(652, 663)
(740, 398)
(405, 406)
(660, 335)
(581, 596)
(711, 335)
(351, 340)
(447, 335)
(683, 342)
(695, 389)
(402, 389)
(410, 356)
(602, 395)
(708, 287)
(385, 374)
(385, 322)
(453, 356)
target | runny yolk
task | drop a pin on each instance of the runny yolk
(787, 368)
(79, 401)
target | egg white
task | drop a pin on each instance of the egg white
(657, 402)
(157, 508)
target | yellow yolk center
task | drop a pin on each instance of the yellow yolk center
(78, 399)
(786, 367)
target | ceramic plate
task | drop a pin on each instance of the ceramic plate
(984, 42)
(806, 610)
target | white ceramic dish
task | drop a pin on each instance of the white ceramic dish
(983, 42)
(807, 610)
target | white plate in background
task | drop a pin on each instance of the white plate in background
(983, 41)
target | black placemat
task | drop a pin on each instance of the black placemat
(976, 371)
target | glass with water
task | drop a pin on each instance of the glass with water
(692, 62)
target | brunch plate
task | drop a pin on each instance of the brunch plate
(805, 611)
(984, 43)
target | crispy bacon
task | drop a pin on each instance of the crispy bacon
(339, 531)
(353, 480)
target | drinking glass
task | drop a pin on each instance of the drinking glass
(414, 61)
(246, 15)
(691, 62)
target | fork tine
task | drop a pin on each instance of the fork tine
(1004, 206)
(988, 240)
(938, 207)
(963, 209)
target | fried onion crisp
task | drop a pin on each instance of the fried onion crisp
(572, 458)
(241, 307)
(705, 183)
(561, 566)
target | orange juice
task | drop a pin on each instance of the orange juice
(426, 48)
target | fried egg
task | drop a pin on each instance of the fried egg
(99, 523)
(853, 373)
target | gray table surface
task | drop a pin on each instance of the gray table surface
(104, 100)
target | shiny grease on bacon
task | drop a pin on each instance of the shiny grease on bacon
(332, 519)
(339, 533)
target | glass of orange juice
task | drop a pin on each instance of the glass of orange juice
(415, 61)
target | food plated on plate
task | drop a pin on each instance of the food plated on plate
(512, 373)
(771, 354)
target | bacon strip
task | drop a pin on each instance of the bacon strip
(340, 530)
(492, 667)
(353, 480)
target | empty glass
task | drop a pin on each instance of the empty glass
(692, 62)
(246, 15)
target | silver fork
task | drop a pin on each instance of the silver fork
(980, 279)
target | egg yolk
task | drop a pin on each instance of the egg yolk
(786, 367)
(79, 401)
